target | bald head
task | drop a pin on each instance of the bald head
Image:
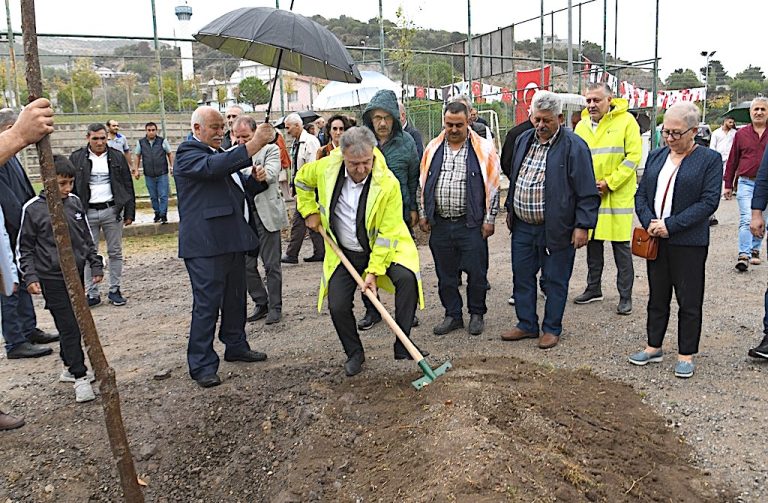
(208, 126)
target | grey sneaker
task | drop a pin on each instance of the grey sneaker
(589, 296)
(66, 376)
(642, 358)
(625, 307)
(83, 390)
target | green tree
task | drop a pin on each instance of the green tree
(717, 74)
(753, 73)
(253, 91)
(404, 33)
(682, 79)
(73, 99)
(745, 89)
(433, 73)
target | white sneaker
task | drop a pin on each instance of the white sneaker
(511, 300)
(66, 376)
(83, 390)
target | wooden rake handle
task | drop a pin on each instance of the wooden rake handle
(415, 354)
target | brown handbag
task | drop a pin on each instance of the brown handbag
(643, 244)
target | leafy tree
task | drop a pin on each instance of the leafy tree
(404, 32)
(753, 73)
(717, 74)
(252, 91)
(682, 79)
(745, 89)
(73, 99)
(434, 74)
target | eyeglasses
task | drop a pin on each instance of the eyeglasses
(675, 135)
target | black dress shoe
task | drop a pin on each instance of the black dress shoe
(415, 322)
(369, 320)
(285, 259)
(476, 324)
(246, 356)
(354, 364)
(449, 324)
(258, 313)
(402, 354)
(39, 337)
(28, 350)
(208, 381)
(314, 258)
(760, 351)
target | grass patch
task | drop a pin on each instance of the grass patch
(161, 242)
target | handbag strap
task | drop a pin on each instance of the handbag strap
(672, 177)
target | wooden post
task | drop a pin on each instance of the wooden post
(110, 399)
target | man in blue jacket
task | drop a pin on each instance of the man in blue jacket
(757, 227)
(552, 203)
(215, 232)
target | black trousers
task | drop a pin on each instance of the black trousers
(341, 294)
(625, 272)
(680, 268)
(58, 303)
(298, 231)
(218, 286)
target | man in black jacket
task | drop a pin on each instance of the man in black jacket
(104, 185)
(19, 321)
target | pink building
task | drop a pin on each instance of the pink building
(299, 92)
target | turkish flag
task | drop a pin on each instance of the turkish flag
(477, 89)
(527, 85)
(421, 93)
(506, 96)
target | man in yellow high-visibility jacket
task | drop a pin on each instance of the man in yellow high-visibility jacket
(613, 136)
(359, 205)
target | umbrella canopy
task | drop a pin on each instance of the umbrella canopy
(307, 116)
(739, 113)
(340, 95)
(259, 33)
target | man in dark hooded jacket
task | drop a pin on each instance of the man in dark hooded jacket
(382, 116)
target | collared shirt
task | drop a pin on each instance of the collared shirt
(451, 186)
(746, 154)
(120, 143)
(722, 141)
(346, 213)
(235, 178)
(529, 201)
(100, 182)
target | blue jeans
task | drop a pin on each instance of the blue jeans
(158, 193)
(529, 254)
(18, 317)
(457, 247)
(747, 242)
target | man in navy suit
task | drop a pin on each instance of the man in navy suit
(214, 236)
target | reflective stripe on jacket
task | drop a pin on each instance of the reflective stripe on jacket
(616, 149)
(388, 236)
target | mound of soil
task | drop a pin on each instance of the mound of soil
(492, 429)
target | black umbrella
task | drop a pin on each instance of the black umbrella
(739, 113)
(283, 40)
(307, 116)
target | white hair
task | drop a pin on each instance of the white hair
(293, 118)
(546, 101)
(198, 116)
(685, 111)
(759, 99)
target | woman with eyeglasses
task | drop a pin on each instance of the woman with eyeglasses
(679, 190)
(334, 127)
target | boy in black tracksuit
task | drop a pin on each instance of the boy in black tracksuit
(40, 268)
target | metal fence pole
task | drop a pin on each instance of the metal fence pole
(159, 72)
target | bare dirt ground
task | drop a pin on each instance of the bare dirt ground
(509, 423)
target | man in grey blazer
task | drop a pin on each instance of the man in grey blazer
(270, 218)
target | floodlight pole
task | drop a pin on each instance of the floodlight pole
(570, 46)
(708, 55)
(159, 72)
(381, 38)
(469, 50)
(541, 70)
(654, 97)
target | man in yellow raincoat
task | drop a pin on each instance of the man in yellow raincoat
(359, 205)
(613, 136)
